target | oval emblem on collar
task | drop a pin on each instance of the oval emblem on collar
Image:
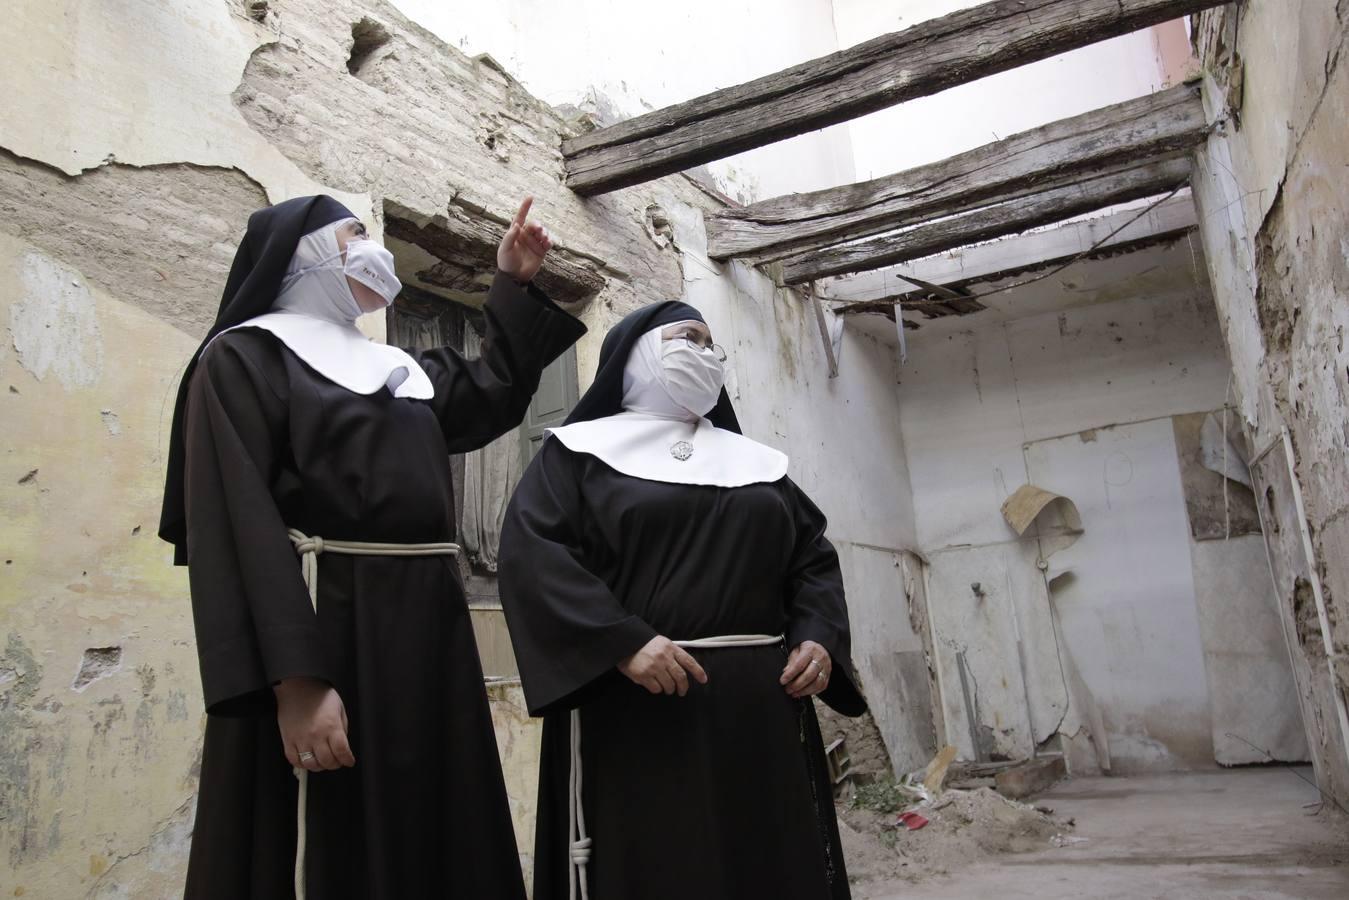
(681, 450)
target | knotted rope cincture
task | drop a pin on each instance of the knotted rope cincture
(309, 550)
(579, 843)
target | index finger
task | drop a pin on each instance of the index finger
(685, 659)
(523, 215)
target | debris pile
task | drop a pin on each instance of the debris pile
(912, 829)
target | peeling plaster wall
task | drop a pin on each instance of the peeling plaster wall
(159, 237)
(1271, 189)
(1044, 399)
(100, 716)
(136, 140)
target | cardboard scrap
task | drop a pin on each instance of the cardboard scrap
(1058, 523)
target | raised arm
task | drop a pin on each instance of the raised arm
(478, 400)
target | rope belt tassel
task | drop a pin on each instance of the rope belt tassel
(309, 549)
(579, 842)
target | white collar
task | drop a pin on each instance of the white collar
(315, 316)
(657, 439)
(345, 356)
(676, 452)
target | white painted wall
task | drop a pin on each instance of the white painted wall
(970, 400)
(974, 405)
(1128, 607)
(634, 57)
(841, 433)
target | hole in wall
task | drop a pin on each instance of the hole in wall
(367, 37)
(1305, 618)
(98, 662)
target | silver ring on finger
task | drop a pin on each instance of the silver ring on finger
(821, 676)
(306, 755)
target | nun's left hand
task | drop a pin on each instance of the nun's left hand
(524, 246)
(807, 672)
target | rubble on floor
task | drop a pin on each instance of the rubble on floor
(900, 830)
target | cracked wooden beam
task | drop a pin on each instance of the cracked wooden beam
(468, 243)
(1143, 128)
(990, 222)
(929, 57)
(1119, 232)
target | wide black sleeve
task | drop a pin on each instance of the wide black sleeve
(479, 400)
(816, 610)
(254, 621)
(567, 627)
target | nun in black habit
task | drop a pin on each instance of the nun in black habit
(361, 703)
(674, 604)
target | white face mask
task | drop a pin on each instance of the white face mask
(693, 377)
(372, 265)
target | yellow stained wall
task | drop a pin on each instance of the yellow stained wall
(96, 779)
(99, 758)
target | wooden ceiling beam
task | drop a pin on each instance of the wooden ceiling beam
(1030, 162)
(1118, 232)
(929, 57)
(986, 223)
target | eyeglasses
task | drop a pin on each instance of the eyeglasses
(696, 344)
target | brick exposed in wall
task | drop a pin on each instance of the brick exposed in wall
(160, 237)
(424, 127)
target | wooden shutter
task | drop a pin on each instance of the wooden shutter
(557, 395)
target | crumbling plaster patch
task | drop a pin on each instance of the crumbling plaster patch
(53, 326)
(175, 71)
(159, 237)
(425, 126)
(97, 663)
(1271, 194)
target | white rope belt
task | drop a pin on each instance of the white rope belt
(578, 841)
(309, 550)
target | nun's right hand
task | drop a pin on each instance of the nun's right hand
(313, 723)
(663, 667)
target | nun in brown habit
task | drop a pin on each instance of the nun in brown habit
(674, 605)
(356, 671)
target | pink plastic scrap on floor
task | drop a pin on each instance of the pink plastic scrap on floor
(912, 820)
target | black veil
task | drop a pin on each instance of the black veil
(254, 281)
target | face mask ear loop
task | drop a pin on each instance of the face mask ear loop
(325, 263)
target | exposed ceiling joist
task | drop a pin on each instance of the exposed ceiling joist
(466, 247)
(1030, 162)
(994, 261)
(929, 57)
(986, 223)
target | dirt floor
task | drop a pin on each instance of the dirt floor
(1245, 833)
(962, 826)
